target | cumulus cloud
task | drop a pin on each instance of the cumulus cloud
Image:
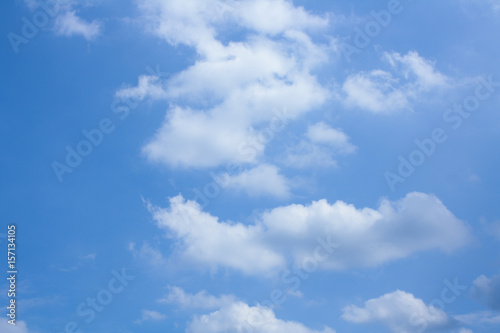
(200, 300)
(189, 138)
(69, 24)
(206, 240)
(232, 315)
(399, 311)
(408, 78)
(367, 237)
(233, 87)
(487, 290)
(239, 317)
(322, 144)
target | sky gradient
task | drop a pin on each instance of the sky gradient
(251, 166)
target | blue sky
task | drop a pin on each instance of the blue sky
(252, 166)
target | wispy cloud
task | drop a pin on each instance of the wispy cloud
(150, 315)
(69, 24)
(200, 300)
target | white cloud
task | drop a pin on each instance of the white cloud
(420, 68)
(69, 24)
(308, 155)
(263, 180)
(148, 86)
(322, 133)
(189, 138)
(376, 91)
(233, 87)
(232, 315)
(400, 311)
(277, 16)
(206, 240)
(195, 22)
(239, 317)
(368, 237)
(487, 290)
(409, 78)
(322, 144)
(20, 327)
(200, 300)
(150, 315)
(66, 21)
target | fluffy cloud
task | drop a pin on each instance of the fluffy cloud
(321, 145)
(195, 22)
(206, 240)
(368, 237)
(200, 300)
(232, 315)
(189, 138)
(401, 312)
(409, 77)
(488, 290)
(234, 87)
(239, 317)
